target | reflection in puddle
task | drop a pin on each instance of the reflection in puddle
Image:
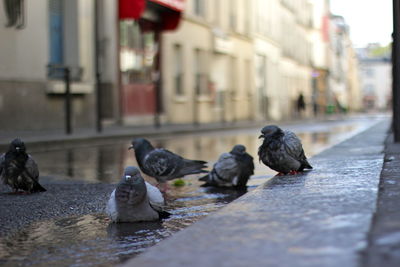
(105, 163)
(91, 241)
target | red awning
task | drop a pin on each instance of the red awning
(176, 5)
(133, 9)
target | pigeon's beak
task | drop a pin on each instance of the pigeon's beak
(131, 147)
(261, 136)
(17, 148)
(128, 177)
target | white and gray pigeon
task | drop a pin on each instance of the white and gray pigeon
(232, 169)
(18, 169)
(163, 165)
(134, 200)
(282, 151)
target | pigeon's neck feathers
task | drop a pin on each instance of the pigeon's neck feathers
(20, 158)
(142, 150)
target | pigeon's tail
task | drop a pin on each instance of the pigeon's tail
(163, 214)
(306, 165)
(204, 178)
(193, 167)
(37, 187)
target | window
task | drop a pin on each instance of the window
(199, 8)
(56, 31)
(178, 75)
(234, 76)
(369, 72)
(14, 10)
(63, 38)
(137, 51)
(233, 14)
(200, 77)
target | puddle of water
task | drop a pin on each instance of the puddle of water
(91, 241)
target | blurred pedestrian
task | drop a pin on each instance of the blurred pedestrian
(301, 105)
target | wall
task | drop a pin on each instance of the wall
(28, 100)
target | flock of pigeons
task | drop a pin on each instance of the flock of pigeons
(134, 199)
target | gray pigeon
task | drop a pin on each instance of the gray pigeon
(282, 151)
(232, 169)
(162, 164)
(19, 170)
(131, 201)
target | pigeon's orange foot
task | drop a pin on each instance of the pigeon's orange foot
(163, 187)
(280, 174)
(294, 172)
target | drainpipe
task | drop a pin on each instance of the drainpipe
(157, 79)
(99, 127)
(396, 70)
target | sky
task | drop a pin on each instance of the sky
(370, 21)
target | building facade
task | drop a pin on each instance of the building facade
(376, 77)
(31, 93)
(169, 61)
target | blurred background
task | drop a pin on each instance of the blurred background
(143, 62)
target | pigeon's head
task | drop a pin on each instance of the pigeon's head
(17, 146)
(137, 142)
(270, 131)
(132, 175)
(238, 149)
(132, 186)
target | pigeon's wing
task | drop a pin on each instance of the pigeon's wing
(162, 213)
(226, 167)
(294, 149)
(246, 166)
(111, 208)
(161, 162)
(154, 194)
(292, 145)
(31, 168)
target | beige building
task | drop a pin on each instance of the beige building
(283, 53)
(208, 64)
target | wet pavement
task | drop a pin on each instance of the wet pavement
(384, 238)
(57, 228)
(317, 218)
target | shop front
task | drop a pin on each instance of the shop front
(141, 23)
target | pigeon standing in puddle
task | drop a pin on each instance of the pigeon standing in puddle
(18, 169)
(282, 151)
(232, 169)
(163, 165)
(135, 200)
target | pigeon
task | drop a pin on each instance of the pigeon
(134, 200)
(18, 169)
(162, 164)
(282, 151)
(232, 169)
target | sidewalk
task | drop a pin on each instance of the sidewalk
(318, 218)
